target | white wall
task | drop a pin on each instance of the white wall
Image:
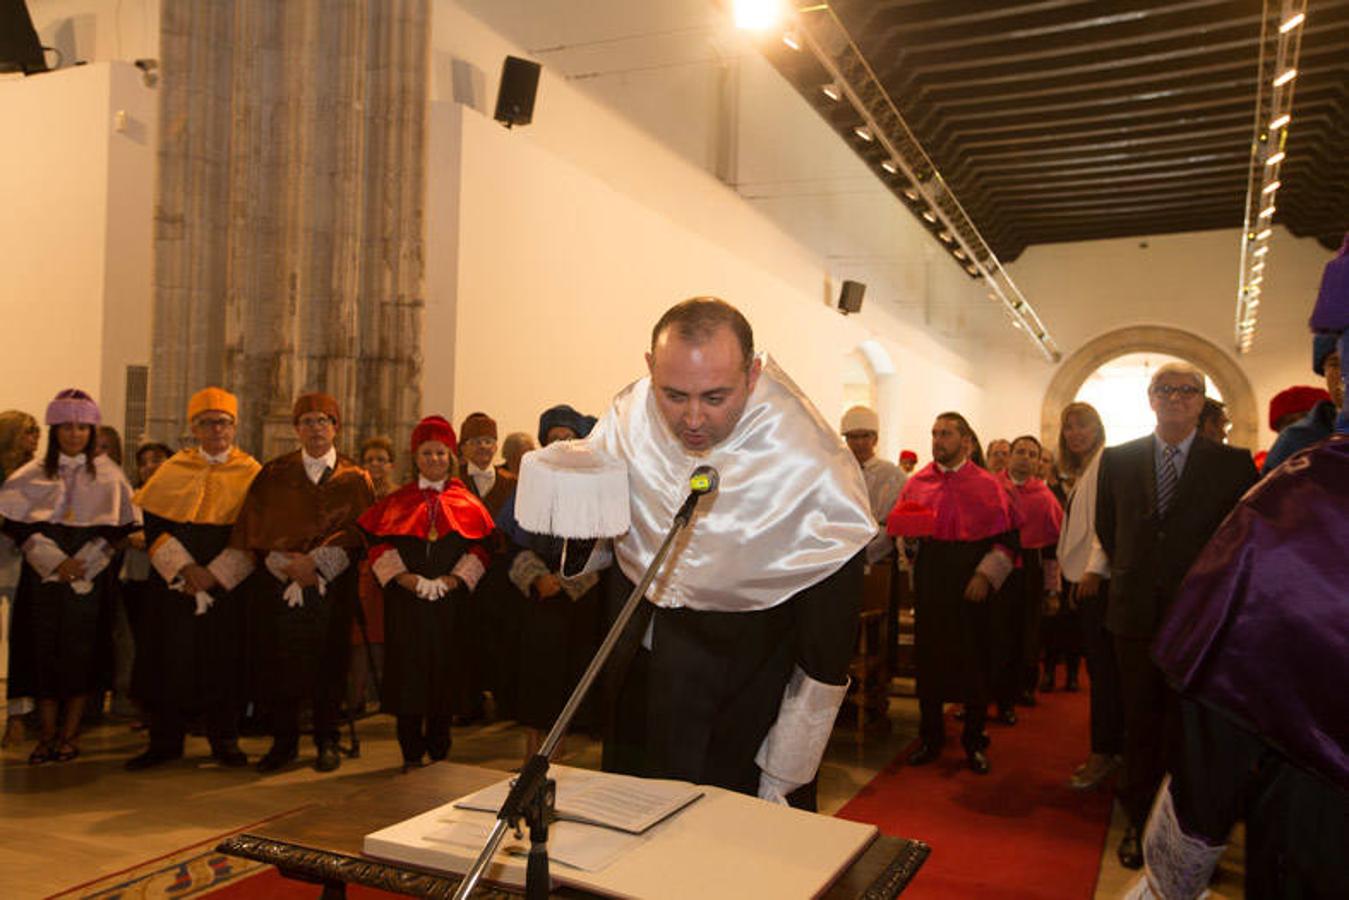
(75, 236)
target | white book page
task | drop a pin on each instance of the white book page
(616, 801)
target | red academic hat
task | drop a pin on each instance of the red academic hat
(1292, 400)
(911, 520)
(434, 428)
(908, 456)
(318, 402)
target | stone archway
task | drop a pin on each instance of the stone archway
(1226, 374)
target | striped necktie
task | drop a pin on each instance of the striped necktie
(1166, 479)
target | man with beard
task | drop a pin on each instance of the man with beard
(959, 521)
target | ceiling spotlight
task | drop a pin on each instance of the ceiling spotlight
(1255, 282)
(972, 269)
(1271, 187)
(1264, 235)
(945, 237)
(864, 133)
(958, 253)
(930, 216)
(1286, 76)
(1275, 158)
(1261, 251)
(890, 166)
(832, 91)
(1267, 212)
(1292, 22)
(1280, 122)
(911, 194)
(1258, 267)
(756, 15)
(791, 40)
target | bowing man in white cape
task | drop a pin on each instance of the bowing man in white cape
(733, 672)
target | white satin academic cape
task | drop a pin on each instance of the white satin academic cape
(791, 508)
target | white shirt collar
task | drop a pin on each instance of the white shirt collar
(473, 469)
(78, 459)
(424, 484)
(955, 468)
(218, 458)
(314, 468)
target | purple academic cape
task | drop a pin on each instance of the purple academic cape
(1260, 629)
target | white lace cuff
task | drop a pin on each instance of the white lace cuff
(1177, 865)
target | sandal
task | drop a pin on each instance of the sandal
(41, 753)
(65, 752)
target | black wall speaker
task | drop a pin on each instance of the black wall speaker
(515, 98)
(850, 298)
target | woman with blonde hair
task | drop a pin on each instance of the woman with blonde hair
(19, 435)
(1085, 568)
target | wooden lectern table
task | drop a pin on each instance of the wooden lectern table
(322, 844)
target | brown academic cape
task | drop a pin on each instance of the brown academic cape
(299, 650)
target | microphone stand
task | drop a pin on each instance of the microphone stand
(533, 793)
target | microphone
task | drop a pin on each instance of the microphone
(704, 480)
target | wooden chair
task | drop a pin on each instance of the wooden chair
(869, 696)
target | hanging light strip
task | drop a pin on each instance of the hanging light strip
(906, 166)
(1280, 46)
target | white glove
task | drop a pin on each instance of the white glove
(431, 588)
(294, 595)
(81, 586)
(204, 601)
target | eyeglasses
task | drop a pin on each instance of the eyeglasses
(1184, 391)
(314, 421)
(213, 421)
(480, 442)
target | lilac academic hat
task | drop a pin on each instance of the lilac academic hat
(73, 405)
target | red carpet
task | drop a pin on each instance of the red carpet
(1018, 832)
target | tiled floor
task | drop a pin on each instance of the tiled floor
(62, 825)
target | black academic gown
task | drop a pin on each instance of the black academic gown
(61, 642)
(951, 634)
(419, 635)
(183, 660)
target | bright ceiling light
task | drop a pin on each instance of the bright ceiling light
(911, 194)
(1271, 187)
(1280, 122)
(1255, 282)
(1258, 267)
(864, 133)
(889, 166)
(1276, 158)
(1267, 212)
(756, 15)
(930, 216)
(1287, 76)
(1292, 22)
(1261, 251)
(1264, 235)
(832, 91)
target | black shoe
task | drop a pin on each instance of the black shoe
(229, 756)
(1130, 851)
(925, 754)
(276, 758)
(1007, 715)
(329, 759)
(151, 758)
(410, 764)
(977, 760)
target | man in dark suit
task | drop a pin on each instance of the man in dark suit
(1159, 500)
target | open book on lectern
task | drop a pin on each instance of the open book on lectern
(596, 798)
